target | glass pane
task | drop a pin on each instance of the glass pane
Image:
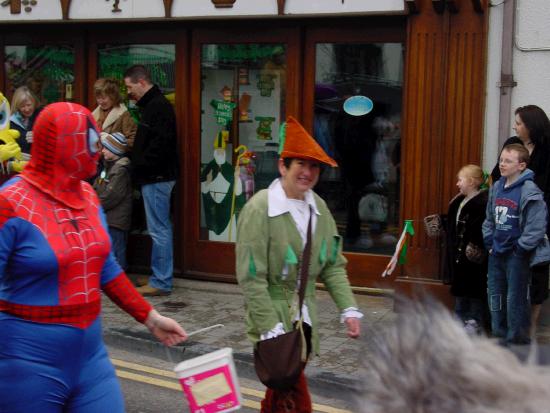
(48, 71)
(113, 60)
(363, 193)
(159, 59)
(242, 106)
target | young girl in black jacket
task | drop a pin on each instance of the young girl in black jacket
(466, 253)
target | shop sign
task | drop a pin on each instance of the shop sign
(17, 10)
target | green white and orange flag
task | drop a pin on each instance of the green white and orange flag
(400, 254)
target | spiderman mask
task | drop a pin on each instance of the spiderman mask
(65, 151)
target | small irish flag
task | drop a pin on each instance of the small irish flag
(400, 254)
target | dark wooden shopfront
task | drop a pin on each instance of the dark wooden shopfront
(441, 111)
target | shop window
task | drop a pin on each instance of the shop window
(242, 106)
(48, 71)
(357, 117)
(159, 59)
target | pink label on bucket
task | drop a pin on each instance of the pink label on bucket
(211, 391)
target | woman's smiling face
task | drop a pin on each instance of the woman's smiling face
(301, 176)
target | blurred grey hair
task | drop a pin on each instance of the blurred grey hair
(426, 363)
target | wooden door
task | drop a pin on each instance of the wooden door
(215, 53)
(358, 51)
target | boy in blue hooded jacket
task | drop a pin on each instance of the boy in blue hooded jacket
(514, 226)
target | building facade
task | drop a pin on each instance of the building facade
(394, 90)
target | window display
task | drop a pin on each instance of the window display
(243, 105)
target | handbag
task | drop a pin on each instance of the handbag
(279, 361)
(433, 225)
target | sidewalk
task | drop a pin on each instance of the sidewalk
(198, 304)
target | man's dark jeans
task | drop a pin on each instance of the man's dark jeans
(509, 301)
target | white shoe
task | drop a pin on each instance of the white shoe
(471, 327)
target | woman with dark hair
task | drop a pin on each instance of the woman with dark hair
(532, 128)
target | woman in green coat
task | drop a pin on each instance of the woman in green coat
(271, 236)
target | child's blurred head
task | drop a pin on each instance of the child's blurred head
(115, 145)
(470, 178)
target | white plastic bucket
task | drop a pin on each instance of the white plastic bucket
(210, 382)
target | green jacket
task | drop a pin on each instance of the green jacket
(264, 245)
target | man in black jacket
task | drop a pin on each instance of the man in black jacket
(155, 168)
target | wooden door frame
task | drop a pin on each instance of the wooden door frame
(203, 258)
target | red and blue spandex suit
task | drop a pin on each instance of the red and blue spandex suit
(55, 259)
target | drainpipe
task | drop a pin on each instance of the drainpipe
(507, 81)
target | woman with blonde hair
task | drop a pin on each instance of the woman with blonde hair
(24, 110)
(111, 114)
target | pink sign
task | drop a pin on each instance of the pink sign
(211, 391)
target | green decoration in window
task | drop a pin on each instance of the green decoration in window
(239, 53)
(266, 84)
(159, 59)
(47, 70)
(263, 130)
(223, 111)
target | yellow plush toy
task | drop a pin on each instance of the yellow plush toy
(10, 152)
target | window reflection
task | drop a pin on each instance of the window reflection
(159, 59)
(48, 71)
(363, 193)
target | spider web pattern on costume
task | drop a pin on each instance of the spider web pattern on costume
(76, 237)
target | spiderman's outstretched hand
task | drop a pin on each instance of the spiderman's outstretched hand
(167, 330)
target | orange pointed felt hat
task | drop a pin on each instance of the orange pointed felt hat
(298, 143)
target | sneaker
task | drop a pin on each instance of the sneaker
(141, 281)
(148, 291)
(471, 327)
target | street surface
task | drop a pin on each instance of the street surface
(149, 386)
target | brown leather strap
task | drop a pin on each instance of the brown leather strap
(304, 266)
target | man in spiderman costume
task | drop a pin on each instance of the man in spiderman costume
(55, 259)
